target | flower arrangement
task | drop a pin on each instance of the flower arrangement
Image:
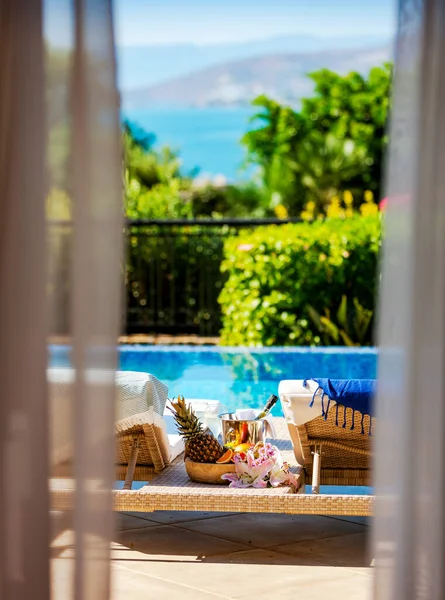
(260, 466)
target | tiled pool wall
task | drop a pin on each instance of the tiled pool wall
(285, 362)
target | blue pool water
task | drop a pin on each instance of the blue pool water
(238, 377)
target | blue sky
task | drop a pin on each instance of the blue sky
(154, 22)
(146, 22)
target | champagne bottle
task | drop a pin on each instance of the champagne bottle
(272, 400)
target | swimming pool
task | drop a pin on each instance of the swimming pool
(238, 377)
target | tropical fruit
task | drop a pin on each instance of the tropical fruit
(244, 433)
(226, 457)
(200, 446)
(242, 448)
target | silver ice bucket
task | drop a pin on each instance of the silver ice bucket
(242, 431)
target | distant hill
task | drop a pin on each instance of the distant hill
(140, 66)
(282, 76)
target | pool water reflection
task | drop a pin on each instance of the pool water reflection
(238, 377)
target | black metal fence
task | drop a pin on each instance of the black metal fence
(173, 276)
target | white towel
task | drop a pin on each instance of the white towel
(249, 414)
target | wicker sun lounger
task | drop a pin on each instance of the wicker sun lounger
(144, 442)
(328, 453)
(146, 452)
(141, 453)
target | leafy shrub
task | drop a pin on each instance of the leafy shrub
(241, 200)
(161, 201)
(350, 326)
(278, 276)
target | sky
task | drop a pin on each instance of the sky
(202, 22)
(147, 22)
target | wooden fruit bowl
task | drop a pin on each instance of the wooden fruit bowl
(208, 472)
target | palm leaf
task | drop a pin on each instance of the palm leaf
(342, 313)
(331, 329)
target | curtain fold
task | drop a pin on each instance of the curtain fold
(61, 242)
(410, 461)
(96, 288)
(24, 524)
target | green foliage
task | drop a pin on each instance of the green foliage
(273, 146)
(154, 188)
(354, 107)
(335, 142)
(145, 164)
(248, 199)
(161, 201)
(276, 272)
(351, 326)
(326, 165)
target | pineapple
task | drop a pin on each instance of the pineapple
(200, 446)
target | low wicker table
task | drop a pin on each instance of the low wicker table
(173, 490)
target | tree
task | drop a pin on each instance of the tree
(153, 185)
(336, 141)
(323, 163)
(353, 107)
(272, 146)
(145, 164)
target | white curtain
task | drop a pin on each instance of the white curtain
(60, 280)
(23, 413)
(410, 463)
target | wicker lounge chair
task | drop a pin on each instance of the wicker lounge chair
(146, 441)
(328, 453)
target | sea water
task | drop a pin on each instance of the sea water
(207, 139)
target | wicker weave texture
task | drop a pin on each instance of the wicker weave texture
(124, 444)
(340, 465)
(149, 452)
(245, 502)
(173, 490)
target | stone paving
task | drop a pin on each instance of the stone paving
(204, 556)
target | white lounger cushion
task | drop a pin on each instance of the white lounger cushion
(135, 392)
(295, 400)
(140, 398)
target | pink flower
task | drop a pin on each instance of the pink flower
(245, 247)
(277, 476)
(280, 475)
(383, 203)
(247, 474)
(259, 469)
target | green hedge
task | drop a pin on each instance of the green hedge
(301, 284)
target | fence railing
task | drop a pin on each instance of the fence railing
(173, 276)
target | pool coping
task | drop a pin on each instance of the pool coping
(369, 350)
